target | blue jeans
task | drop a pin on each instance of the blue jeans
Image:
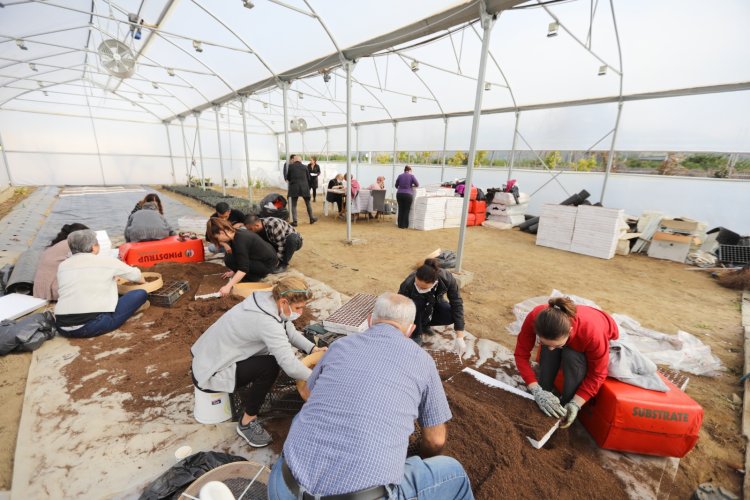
(436, 478)
(106, 322)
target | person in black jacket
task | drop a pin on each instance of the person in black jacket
(426, 287)
(235, 217)
(248, 256)
(314, 169)
(298, 177)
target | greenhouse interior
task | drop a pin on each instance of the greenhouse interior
(591, 152)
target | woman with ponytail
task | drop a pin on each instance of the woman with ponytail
(574, 338)
(427, 287)
(45, 279)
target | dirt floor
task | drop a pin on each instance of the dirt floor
(509, 268)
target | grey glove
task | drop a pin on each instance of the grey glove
(459, 347)
(548, 402)
(571, 412)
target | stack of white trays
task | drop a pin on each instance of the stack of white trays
(352, 316)
(453, 208)
(597, 231)
(427, 213)
(556, 225)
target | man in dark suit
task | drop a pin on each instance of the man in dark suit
(298, 177)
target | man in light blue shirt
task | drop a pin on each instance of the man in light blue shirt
(350, 439)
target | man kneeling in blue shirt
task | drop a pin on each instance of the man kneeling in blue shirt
(350, 439)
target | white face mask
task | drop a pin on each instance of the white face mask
(289, 317)
(424, 290)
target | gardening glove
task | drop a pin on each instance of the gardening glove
(571, 410)
(459, 346)
(548, 402)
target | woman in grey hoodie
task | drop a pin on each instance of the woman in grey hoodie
(249, 344)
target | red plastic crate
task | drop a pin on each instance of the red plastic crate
(478, 207)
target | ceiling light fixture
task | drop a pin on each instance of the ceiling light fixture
(140, 96)
(415, 65)
(248, 4)
(300, 95)
(323, 113)
(198, 45)
(265, 105)
(487, 86)
(33, 67)
(362, 108)
(40, 83)
(413, 98)
(602, 70)
(155, 85)
(552, 29)
(326, 77)
(170, 71)
(21, 44)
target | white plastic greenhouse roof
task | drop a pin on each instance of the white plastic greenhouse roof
(195, 54)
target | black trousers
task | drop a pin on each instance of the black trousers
(574, 369)
(256, 271)
(314, 190)
(259, 372)
(294, 207)
(404, 201)
(441, 314)
(293, 243)
(337, 199)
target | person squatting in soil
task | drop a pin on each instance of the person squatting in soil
(279, 234)
(248, 345)
(249, 257)
(427, 287)
(351, 436)
(575, 338)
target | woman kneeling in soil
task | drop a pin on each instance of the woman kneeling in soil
(249, 257)
(88, 305)
(248, 345)
(574, 337)
(427, 288)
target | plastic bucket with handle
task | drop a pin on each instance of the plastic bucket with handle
(211, 407)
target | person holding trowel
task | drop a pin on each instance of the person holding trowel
(575, 338)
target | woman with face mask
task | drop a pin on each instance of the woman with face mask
(427, 287)
(248, 345)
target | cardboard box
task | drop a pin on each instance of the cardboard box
(624, 417)
(668, 246)
(681, 225)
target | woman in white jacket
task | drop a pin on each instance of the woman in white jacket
(248, 345)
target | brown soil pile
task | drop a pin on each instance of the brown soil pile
(152, 361)
(487, 435)
(736, 280)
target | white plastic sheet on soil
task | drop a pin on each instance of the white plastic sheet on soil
(682, 352)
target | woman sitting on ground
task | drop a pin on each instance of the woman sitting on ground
(88, 305)
(249, 257)
(575, 338)
(149, 197)
(147, 224)
(249, 344)
(427, 287)
(337, 198)
(45, 279)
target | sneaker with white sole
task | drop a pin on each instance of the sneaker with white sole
(254, 433)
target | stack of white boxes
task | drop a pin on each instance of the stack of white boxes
(504, 208)
(453, 208)
(597, 231)
(556, 225)
(427, 212)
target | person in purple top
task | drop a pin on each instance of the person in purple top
(350, 439)
(405, 195)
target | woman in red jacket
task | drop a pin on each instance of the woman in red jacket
(574, 337)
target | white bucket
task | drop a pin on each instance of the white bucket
(211, 407)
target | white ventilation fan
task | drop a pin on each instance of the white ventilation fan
(117, 58)
(298, 125)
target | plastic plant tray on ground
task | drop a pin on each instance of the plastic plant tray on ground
(352, 316)
(169, 293)
(734, 254)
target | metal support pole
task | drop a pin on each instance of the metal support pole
(445, 144)
(487, 22)
(513, 147)
(200, 148)
(184, 148)
(171, 158)
(7, 165)
(393, 168)
(356, 146)
(611, 156)
(221, 158)
(349, 200)
(328, 152)
(247, 154)
(284, 89)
